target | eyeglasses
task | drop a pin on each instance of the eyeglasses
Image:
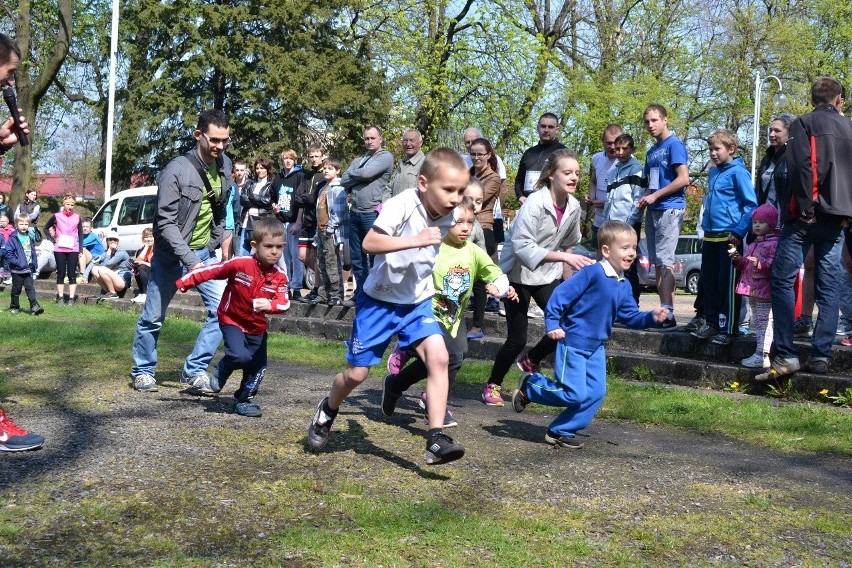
(478, 155)
(217, 141)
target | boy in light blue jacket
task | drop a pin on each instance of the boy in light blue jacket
(728, 204)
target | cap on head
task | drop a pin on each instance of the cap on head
(766, 213)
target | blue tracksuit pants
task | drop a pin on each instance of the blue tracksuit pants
(579, 387)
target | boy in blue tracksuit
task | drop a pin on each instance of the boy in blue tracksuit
(20, 253)
(579, 316)
(728, 204)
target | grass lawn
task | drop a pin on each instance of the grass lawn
(250, 495)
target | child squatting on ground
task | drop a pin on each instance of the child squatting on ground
(756, 267)
(460, 263)
(579, 316)
(396, 298)
(19, 253)
(256, 286)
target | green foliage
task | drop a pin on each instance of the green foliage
(287, 74)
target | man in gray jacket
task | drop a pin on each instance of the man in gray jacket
(188, 227)
(365, 180)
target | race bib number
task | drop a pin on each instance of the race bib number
(65, 241)
(530, 181)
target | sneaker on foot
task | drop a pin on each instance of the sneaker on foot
(525, 364)
(519, 399)
(779, 368)
(13, 438)
(247, 408)
(397, 360)
(36, 310)
(706, 332)
(491, 395)
(389, 398)
(846, 341)
(803, 327)
(817, 366)
(449, 420)
(756, 361)
(145, 383)
(320, 427)
(722, 339)
(442, 449)
(669, 324)
(535, 312)
(560, 441)
(196, 384)
(694, 324)
(14, 310)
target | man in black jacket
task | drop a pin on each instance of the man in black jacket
(816, 207)
(532, 161)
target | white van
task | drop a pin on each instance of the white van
(127, 213)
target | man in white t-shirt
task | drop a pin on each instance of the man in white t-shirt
(602, 163)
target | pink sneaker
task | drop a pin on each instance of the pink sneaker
(397, 360)
(525, 364)
(491, 395)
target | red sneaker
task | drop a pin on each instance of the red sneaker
(16, 439)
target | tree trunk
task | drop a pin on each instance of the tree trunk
(32, 89)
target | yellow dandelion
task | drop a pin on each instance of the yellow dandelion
(735, 385)
(823, 392)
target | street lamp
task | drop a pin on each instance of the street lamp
(779, 100)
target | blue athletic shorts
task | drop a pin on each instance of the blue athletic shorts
(377, 322)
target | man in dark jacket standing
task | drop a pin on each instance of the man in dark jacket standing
(816, 207)
(192, 193)
(533, 159)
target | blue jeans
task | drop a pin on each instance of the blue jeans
(796, 238)
(359, 225)
(165, 270)
(295, 267)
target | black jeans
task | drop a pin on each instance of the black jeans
(22, 280)
(480, 296)
(517, 324)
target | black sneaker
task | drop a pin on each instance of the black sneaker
(803, 327)
(442, 449)
(669, 324)
(817, 366)
(313, 300)
(318, 433)
(519, 399)
(36, 310)
(335, 302)
(247, 408)
(706, 332)
(389, 398)
(694, 324)
(722, 339)
(560, 441)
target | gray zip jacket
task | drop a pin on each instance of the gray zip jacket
(366, 180)
(180, 190)
(535, 233)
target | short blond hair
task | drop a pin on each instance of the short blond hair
(725, 137)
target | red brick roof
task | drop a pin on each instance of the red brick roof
(57, 185)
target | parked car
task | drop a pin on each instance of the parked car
(688, 252)
(126, 214)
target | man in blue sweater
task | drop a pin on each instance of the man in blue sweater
(579, 315)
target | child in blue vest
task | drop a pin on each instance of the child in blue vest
(19, 252)
(579, 316)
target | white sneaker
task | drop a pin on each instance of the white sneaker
(535, 312)
(140, 299)
(756, 361)
(144, 383)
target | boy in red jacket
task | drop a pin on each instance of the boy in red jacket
(256, 285)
